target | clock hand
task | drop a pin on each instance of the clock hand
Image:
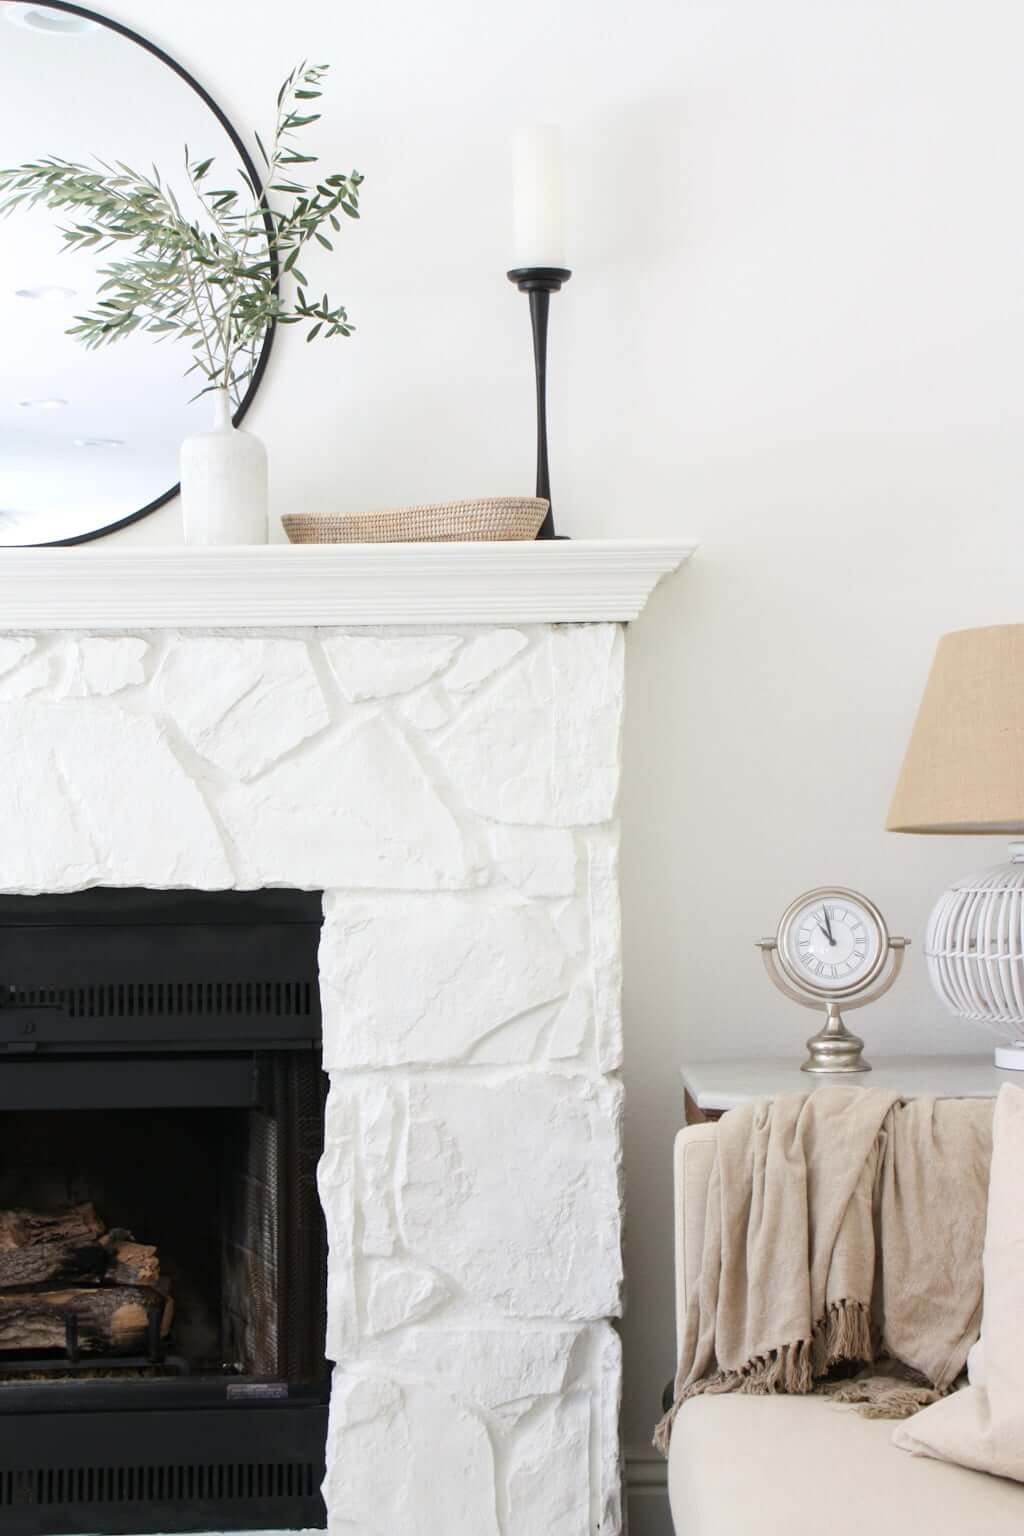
(828, 925)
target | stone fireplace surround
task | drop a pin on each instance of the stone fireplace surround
(450, 783)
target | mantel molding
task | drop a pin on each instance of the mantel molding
(577, 581)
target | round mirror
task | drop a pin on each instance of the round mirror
(89, 440)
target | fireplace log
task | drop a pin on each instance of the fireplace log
(110, 1319)
(129, 1262)
(39, 1247)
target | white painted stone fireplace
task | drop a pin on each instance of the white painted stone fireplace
(432, 738)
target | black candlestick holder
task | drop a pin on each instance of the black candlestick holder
(540, 283)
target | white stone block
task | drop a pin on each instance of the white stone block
(427, 709)
(548, 1476)
(20, 682)
(489, 1367)
(606, 946)
(354, 809)
(606, 1388)
(516, 1042)
(398, 1294)
(242, 703)
(372, 667)
(511, 1188)
(337, 1183)
(378, 1127)
(569, 1033)
(410, 979)
(573, 923)
(539, 861)
(95, 795)
(14, 649)
(98, 665)
(408, 1461)
(541, 745)
(481, 657)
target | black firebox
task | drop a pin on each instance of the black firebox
(162, 1246)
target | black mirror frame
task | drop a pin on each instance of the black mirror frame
(257, 181)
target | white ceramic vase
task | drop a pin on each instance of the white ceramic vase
(224, 482)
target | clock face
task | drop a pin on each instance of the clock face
(832, 941)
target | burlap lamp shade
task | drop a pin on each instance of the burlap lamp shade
(964, 767)
(964, 772)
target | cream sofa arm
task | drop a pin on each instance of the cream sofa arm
(693, 1159)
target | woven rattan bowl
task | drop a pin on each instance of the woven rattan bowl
(492, 519)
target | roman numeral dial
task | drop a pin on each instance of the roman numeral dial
(832, 941)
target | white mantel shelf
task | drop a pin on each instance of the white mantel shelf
(570, 581)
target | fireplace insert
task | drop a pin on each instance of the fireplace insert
(162, 1246)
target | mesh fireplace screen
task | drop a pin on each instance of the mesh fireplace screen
(272, 1255)
(224, 1197)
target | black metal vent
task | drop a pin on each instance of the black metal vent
(227, 1482)
(177, 999)
(104, 971)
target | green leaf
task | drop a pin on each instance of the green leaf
(195, 277)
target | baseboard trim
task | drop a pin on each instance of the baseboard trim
(646, 1478)
(646, 1469)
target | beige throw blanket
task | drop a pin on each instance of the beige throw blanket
(842, 1225)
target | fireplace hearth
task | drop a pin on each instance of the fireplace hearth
(162, 1244)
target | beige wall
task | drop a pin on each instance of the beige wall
(795, 333)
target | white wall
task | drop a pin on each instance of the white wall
(795, 332)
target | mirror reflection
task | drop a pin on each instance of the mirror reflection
(87, 439)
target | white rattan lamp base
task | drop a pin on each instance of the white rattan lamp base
(975, 953)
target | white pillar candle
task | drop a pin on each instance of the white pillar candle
(538, 198)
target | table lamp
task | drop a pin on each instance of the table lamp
(964, 773)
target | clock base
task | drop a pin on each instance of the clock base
(834, 1048)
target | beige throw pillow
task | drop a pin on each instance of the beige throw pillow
(982, 1426)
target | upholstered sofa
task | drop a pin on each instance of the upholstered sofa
(798, 1465)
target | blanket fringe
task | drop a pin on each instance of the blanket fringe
(843, 1334)
(886, 1390)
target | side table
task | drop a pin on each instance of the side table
(712, 1087)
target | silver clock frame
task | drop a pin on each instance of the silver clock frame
(834, 1049)
(825, 893)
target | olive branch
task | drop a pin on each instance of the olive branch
(210, 279)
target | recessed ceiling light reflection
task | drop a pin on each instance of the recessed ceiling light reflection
(46, 403)
(46, 293)
(99, 442)
(39, 18)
